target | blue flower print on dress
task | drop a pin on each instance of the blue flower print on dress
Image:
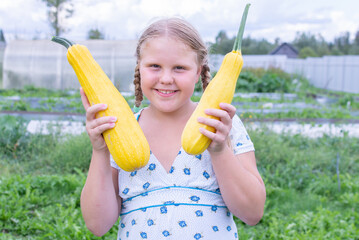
(197, 236)
(194, 198)
(182, 223)
(229, 228)
(163, 210)
(239, 144)
(146, 185)
(150, 222)
(236, 235)
(199, 156)
(152, 167)
(214, 208)
(199, 213)
(123, 225)
(143, 235)
(125, 191)
(133, 222)
(166, 233)
(189, 178)
(248, 137)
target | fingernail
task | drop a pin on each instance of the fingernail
(104, 106)
(113, 119)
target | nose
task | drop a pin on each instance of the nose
(166, 77)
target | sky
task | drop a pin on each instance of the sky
(126, 19)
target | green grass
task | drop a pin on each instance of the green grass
(41, 178)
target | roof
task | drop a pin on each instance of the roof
(285, 49)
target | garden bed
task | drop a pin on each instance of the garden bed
(312, 183)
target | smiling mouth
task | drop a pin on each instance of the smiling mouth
(166, 93)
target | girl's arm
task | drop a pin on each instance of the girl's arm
(241, 185)
(100, 203)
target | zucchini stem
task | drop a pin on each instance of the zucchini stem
(237, 46)
(63, 41)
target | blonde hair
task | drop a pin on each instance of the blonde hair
(180, 30)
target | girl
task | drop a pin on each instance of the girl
(176, 196)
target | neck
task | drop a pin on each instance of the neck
(182, 113)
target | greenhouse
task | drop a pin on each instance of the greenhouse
(43, 63)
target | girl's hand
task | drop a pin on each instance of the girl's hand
(96, 126)
(223, 126)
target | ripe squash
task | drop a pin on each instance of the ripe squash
(220, 89)
(126, 141)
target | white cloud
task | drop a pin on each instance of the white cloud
(125, 19)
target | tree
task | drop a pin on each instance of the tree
(223, 44)
(95, 34)
(303, 39)
(252, 46)
(356, 39)
(343, 42)
(2, 38)
(57, 12)
(307, 52)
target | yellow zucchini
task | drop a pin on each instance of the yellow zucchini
(126, 141)
(220, 89)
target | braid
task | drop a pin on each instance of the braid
(205, 76)
(138, 90)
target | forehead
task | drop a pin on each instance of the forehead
(162, 42)
(167, 50)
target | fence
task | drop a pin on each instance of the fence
(43, 64)
(338, 73)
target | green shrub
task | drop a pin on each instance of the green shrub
(13, 135)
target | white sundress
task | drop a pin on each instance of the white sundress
(184, 203)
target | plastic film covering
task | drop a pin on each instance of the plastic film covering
(43, 63)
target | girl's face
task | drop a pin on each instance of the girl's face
(169, 72)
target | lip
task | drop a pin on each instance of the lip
(166, 92)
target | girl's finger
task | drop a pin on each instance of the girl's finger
(214, 136)
(228, 108)
(222, 115)
(101, 121)
(103, 127)
(92, 110)
(218, 125)
(84, 99)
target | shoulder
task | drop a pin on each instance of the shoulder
(241, 142)
(237, 123)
